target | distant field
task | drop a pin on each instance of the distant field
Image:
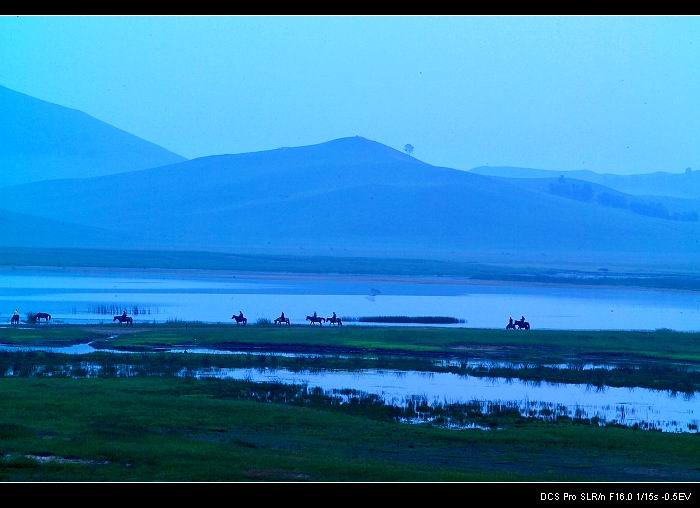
(534, 345)
(673, 275)
(185, 430)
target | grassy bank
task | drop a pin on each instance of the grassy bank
(170, 429)
(535, 345)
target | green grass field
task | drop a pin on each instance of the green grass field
(171, 429)
(535, 345)
(159, 427)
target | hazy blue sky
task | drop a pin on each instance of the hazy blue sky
(609, 94)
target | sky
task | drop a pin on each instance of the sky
(609, 94)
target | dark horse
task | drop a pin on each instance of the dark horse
(43, 315)
(510, 326)
(280, 320)
(128, 320)
(334, 321)
(240, 319)
(15, 319)
(521, 323)
(313, 320)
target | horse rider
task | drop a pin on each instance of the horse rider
(15, 313)
(522, 319)
(510, 321)
(282, 316)
(124, 315)
(334, 317)
(240, 314)
(315, 315)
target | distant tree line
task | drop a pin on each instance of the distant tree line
(582, 191)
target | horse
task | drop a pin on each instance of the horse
(510, 326)
(521, 323)
(280, 320)
(43, 315)
(15, 319)
(334, 321)
(313, 320)
(239, 319)
(128, 320)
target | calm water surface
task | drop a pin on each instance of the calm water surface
(77, 298)
(664, 410)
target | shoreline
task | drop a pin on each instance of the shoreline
(226, 275)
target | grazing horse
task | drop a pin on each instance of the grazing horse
(240, 319)
(521, 323)
(313, 320)
(43, 315)
(128, 320)
(15, 319)
(280, 320)
(334, 321)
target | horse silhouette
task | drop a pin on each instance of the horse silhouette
(15, 319)
(128, 320)
(43, 315)
(239, 319)
(334, 321)
(521, 323)
(313, 320)
(280, 320)
(510, 326)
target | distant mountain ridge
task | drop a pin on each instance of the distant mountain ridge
(44, 141)
(679, 185)
(349, 196)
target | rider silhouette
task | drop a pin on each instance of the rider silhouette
(124, 315)
(314, 314)
(240, 314)
(282, 316)
(522, 319)
(334, 315)
(510, 321)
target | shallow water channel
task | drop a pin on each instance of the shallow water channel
(647, 408)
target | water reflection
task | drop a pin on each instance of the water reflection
(626, 406)
(74, 298)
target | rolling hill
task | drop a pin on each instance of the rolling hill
(678, 185)
(350, 196)
(43, 141)
(670, 208)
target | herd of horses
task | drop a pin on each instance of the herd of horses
(283, 320)
(14, 320)
(521, 324)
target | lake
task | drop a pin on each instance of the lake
(94, 296)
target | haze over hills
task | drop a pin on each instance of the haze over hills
(679, 185)
(43, 141)
(350, 196)
(22, 230)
